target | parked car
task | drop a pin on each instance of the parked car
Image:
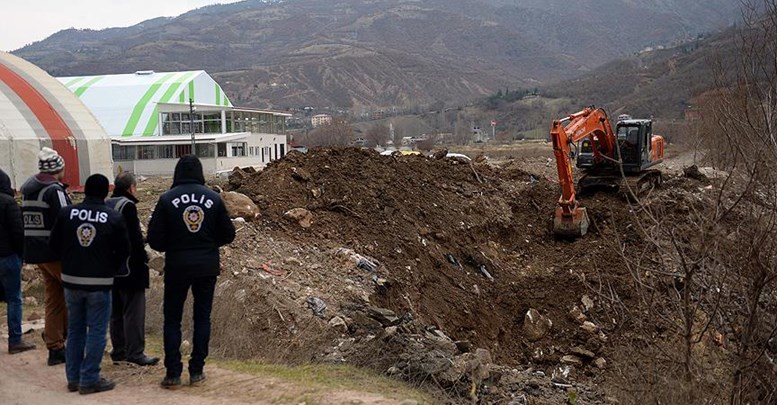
(458, 156)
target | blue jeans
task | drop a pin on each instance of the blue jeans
(88, 313)
(11, 279)
(175, 296)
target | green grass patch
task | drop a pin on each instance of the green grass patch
(331, 377)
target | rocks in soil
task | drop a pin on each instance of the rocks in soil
(577, 315)
(301, 216)
(589, 327)
(300, 174)
(600, 363)
(386, 317)
(339, 324)
(588, 303)
(572, 360)
(582, 352)
(535, 325)
(240, 206)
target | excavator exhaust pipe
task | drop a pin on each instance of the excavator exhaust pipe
(571, 226)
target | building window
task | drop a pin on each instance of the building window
(222, 149)
(283, 150)
(166, 152)
(123, 152)
(238, 149)
(205, 150)
(146, 152)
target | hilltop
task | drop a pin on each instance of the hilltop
(349, 53)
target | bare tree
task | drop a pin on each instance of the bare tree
(377, 135)
(428, 143)
(397, 137)
(337, 132)
(705, 265)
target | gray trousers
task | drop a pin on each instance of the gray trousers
(128, 324)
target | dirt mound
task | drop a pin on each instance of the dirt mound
(465, 247)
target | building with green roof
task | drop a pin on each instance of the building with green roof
(153, 118)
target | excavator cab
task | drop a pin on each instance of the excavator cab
(635, 144)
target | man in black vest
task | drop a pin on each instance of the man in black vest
(11, 247)
(128, 315)
(91, 239)
(43, 196)
(189, 224)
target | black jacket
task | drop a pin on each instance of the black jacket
(43, 197)
(91, 240)
(189, 224)
(11, 228)
(138, 260)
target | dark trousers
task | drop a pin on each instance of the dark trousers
(174, 298)
(128, 324)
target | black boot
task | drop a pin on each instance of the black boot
(56, 356)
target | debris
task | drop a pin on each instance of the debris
(317, 305)
(600, 363)
(577, 315)
(292, 261)
(588, 303)
(303, 217)
(385, 316)
(560, 376)
(485, 272)
(464, 346)
(589, 327)
(31, 301)
(34, 316)
(571, 360)
(300, 174)
(239, 205)
(452, 260)
(535, 325)
(363, 262)
(339, 324)
(694, 173)
(582, 352)
(267, 269)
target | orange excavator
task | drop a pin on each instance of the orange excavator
(615, 160)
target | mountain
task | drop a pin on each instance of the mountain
(352, 54)
(660, 83)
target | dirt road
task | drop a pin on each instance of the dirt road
(25, 379)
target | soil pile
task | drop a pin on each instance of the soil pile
(465, 248)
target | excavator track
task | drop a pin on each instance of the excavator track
(631, 187)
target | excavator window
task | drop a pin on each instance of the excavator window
(585, 147)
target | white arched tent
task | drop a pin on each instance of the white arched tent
(35, 111)
(129, 104)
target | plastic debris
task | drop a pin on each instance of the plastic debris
(317, 305)
(485, 272)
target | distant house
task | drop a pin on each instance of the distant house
(320, 119)
(150, 117)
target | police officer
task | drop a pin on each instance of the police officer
(91, 239)
(189, 224)
(128, 318)
(43, 196)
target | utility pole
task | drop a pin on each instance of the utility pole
(191, 123)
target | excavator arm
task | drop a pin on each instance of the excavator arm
(592, 123)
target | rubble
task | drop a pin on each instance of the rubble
(399, 262)
(535, 325)
(240, 206)
(302, 216)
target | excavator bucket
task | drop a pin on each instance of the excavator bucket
(573, 226)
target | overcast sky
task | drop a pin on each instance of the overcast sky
(26, 21)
